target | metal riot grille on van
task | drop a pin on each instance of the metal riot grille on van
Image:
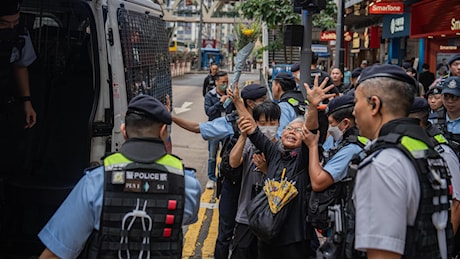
(146, 57)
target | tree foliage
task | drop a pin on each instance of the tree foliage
(279, 12)
(272, 12)
(327, 18)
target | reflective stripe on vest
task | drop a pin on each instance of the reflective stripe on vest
(416, 147)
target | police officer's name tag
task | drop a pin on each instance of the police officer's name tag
(146, 182)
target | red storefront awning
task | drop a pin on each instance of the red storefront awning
(434, 18)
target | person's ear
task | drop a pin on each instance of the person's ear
(346, 123)
(376, 103)
(123, 131)
(164, 133)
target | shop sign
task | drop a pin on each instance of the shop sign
(395, 26)
(355, 43)
(448, 48)
(375, 35)
(331, 36)
(455, 24)
(209, 43)
(366, 37)
(386, 8)
(319, 48)
(434, 18)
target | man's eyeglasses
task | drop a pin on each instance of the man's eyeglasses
(450, 97)
(296, 129)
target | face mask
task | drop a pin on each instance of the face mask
(297, 76)
(335, 132)
(223, 87)
(8, 34)
(269, 131)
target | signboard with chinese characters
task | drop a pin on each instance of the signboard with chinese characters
(395, 26)
(356, 41)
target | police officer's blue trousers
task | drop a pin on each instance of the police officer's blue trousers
(228, 206)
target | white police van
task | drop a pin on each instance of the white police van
(93, 56)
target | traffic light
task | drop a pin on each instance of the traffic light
(311, 5)
(188, 2)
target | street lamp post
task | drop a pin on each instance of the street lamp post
(200, 29)
(306, 52)
(339, 45)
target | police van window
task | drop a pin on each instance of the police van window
(40, 21)
(64, 68)
(145, 43)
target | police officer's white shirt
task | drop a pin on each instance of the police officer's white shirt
(386, 198)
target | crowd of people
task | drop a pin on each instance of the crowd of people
(369, 166)
(382, 150)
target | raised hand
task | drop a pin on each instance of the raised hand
(310, 139)
(317, 94)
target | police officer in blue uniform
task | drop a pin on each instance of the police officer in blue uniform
(152, 193)
(291, 100)
(345, 134)
(397, 196)
(16, 54)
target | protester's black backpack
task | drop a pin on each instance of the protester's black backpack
(225, 170)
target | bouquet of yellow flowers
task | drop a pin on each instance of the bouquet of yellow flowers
(247, 33)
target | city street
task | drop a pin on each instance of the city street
(188, 103)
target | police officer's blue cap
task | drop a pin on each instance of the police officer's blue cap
(150, 107)
(339, 103)
(295, 67)
(253, 91)
(387, 71)
(10, 7)
(451, 85)
(434, 90)
(284, 76)
(356, 72)
(419, 104)
(453, 58)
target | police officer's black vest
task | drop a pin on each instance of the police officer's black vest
(7, 81)
(318, 207)
(438, 118)
(454, 139)
(296, 100)
(437, 137)
(434, 179)
(142, 211)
